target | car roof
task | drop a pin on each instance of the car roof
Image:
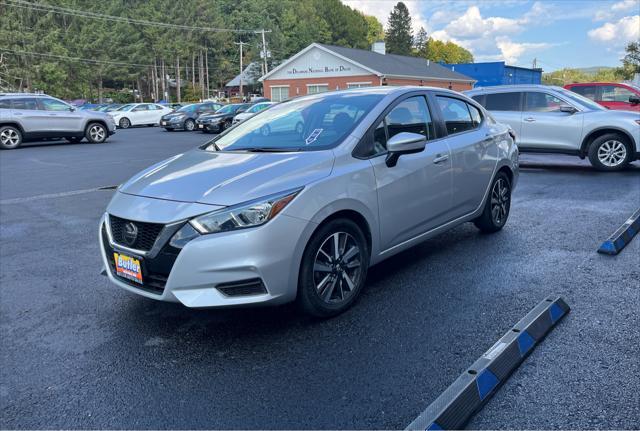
(519, 87)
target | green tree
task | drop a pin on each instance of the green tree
(421, 44)
(398, 37)
(375, 31)
(448, 52)
(631, 61)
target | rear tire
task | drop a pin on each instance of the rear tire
(610, 152)
(124, 123)
(10, 137)
(331, 277)
(96, 133)
(496, 209)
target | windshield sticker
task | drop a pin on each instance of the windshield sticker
(313, 136)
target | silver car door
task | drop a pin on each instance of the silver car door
(32, 119)
(139, 114)
(414, 196)
(546, 127)
(473, 152)
(61, 117)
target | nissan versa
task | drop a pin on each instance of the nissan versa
(271, 212)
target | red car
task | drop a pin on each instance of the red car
(609, 94)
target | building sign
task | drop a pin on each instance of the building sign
(325, 69)
(317, 63)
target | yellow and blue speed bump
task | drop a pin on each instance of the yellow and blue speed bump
(455, 406)
(623, 236)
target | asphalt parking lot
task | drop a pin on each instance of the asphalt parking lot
(80, 353)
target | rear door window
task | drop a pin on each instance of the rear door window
(5, 103)
(588, 91)
(615, 93)
(456, 115)
(503, 101)
(25, 103)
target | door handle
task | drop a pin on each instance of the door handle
(441, 158)
(530, 119)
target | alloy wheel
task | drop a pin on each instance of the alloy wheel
(125, 123)
(337, 268)
(189, 125)
(499, 201)
(612, 153)
(9, 138)
(97, 133)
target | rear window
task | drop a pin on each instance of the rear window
(25, 103)
(503, 101)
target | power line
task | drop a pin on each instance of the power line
(95, 15)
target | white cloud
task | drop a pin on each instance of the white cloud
(620, 32)
(381, 10)
(512, 51)
(608, 13)
(626, 5)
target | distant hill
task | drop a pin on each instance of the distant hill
(593, 69)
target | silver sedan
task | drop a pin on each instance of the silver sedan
(267, 215)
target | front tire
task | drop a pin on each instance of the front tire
(96, 133)
(496, 209)
(189, 125)
(10, 137)
(610, 152)
(333, 269)
(124, 123)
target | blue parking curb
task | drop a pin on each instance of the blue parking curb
(457, 404)
(623, 236)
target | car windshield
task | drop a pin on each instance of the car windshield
(587, 103)
(125, 107)
(188, 108)
(257, 108)
(306, 124)
(227, 109)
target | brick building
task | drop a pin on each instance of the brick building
(319, 68)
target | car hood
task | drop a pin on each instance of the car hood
(228, 178)
(173, 114)
(616, 114)
(209, 116)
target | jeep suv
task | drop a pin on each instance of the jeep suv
(25, 117)
(548, 119)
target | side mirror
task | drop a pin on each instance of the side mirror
(72, 108)
(568, 109)
(404, 143)
(634, 100)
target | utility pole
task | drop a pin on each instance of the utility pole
(241, 68)
(206, 68)
(178, 95)
(264, 50)
(535, 63)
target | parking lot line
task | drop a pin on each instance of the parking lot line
(455, 406)
(54, 195)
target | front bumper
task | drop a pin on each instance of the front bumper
(208, 126)
(177, 124)
(197, 275)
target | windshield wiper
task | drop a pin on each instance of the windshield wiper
(266, 149)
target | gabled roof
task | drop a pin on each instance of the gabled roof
(391, 65)
(398, 65)
(249, 75)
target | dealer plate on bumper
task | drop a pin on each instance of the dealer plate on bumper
(128, 267)
(201, 126)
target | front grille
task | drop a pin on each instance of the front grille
(147, 233)
(155, 272)
(253, 286)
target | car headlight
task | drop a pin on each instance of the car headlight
(246, 215)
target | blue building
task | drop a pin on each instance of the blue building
(497, 73)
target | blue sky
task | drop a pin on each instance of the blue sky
(561, 33)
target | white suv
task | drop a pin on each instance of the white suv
(549, 119)
(25, 116)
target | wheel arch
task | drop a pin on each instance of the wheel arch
(13, 124)
(596, 133)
